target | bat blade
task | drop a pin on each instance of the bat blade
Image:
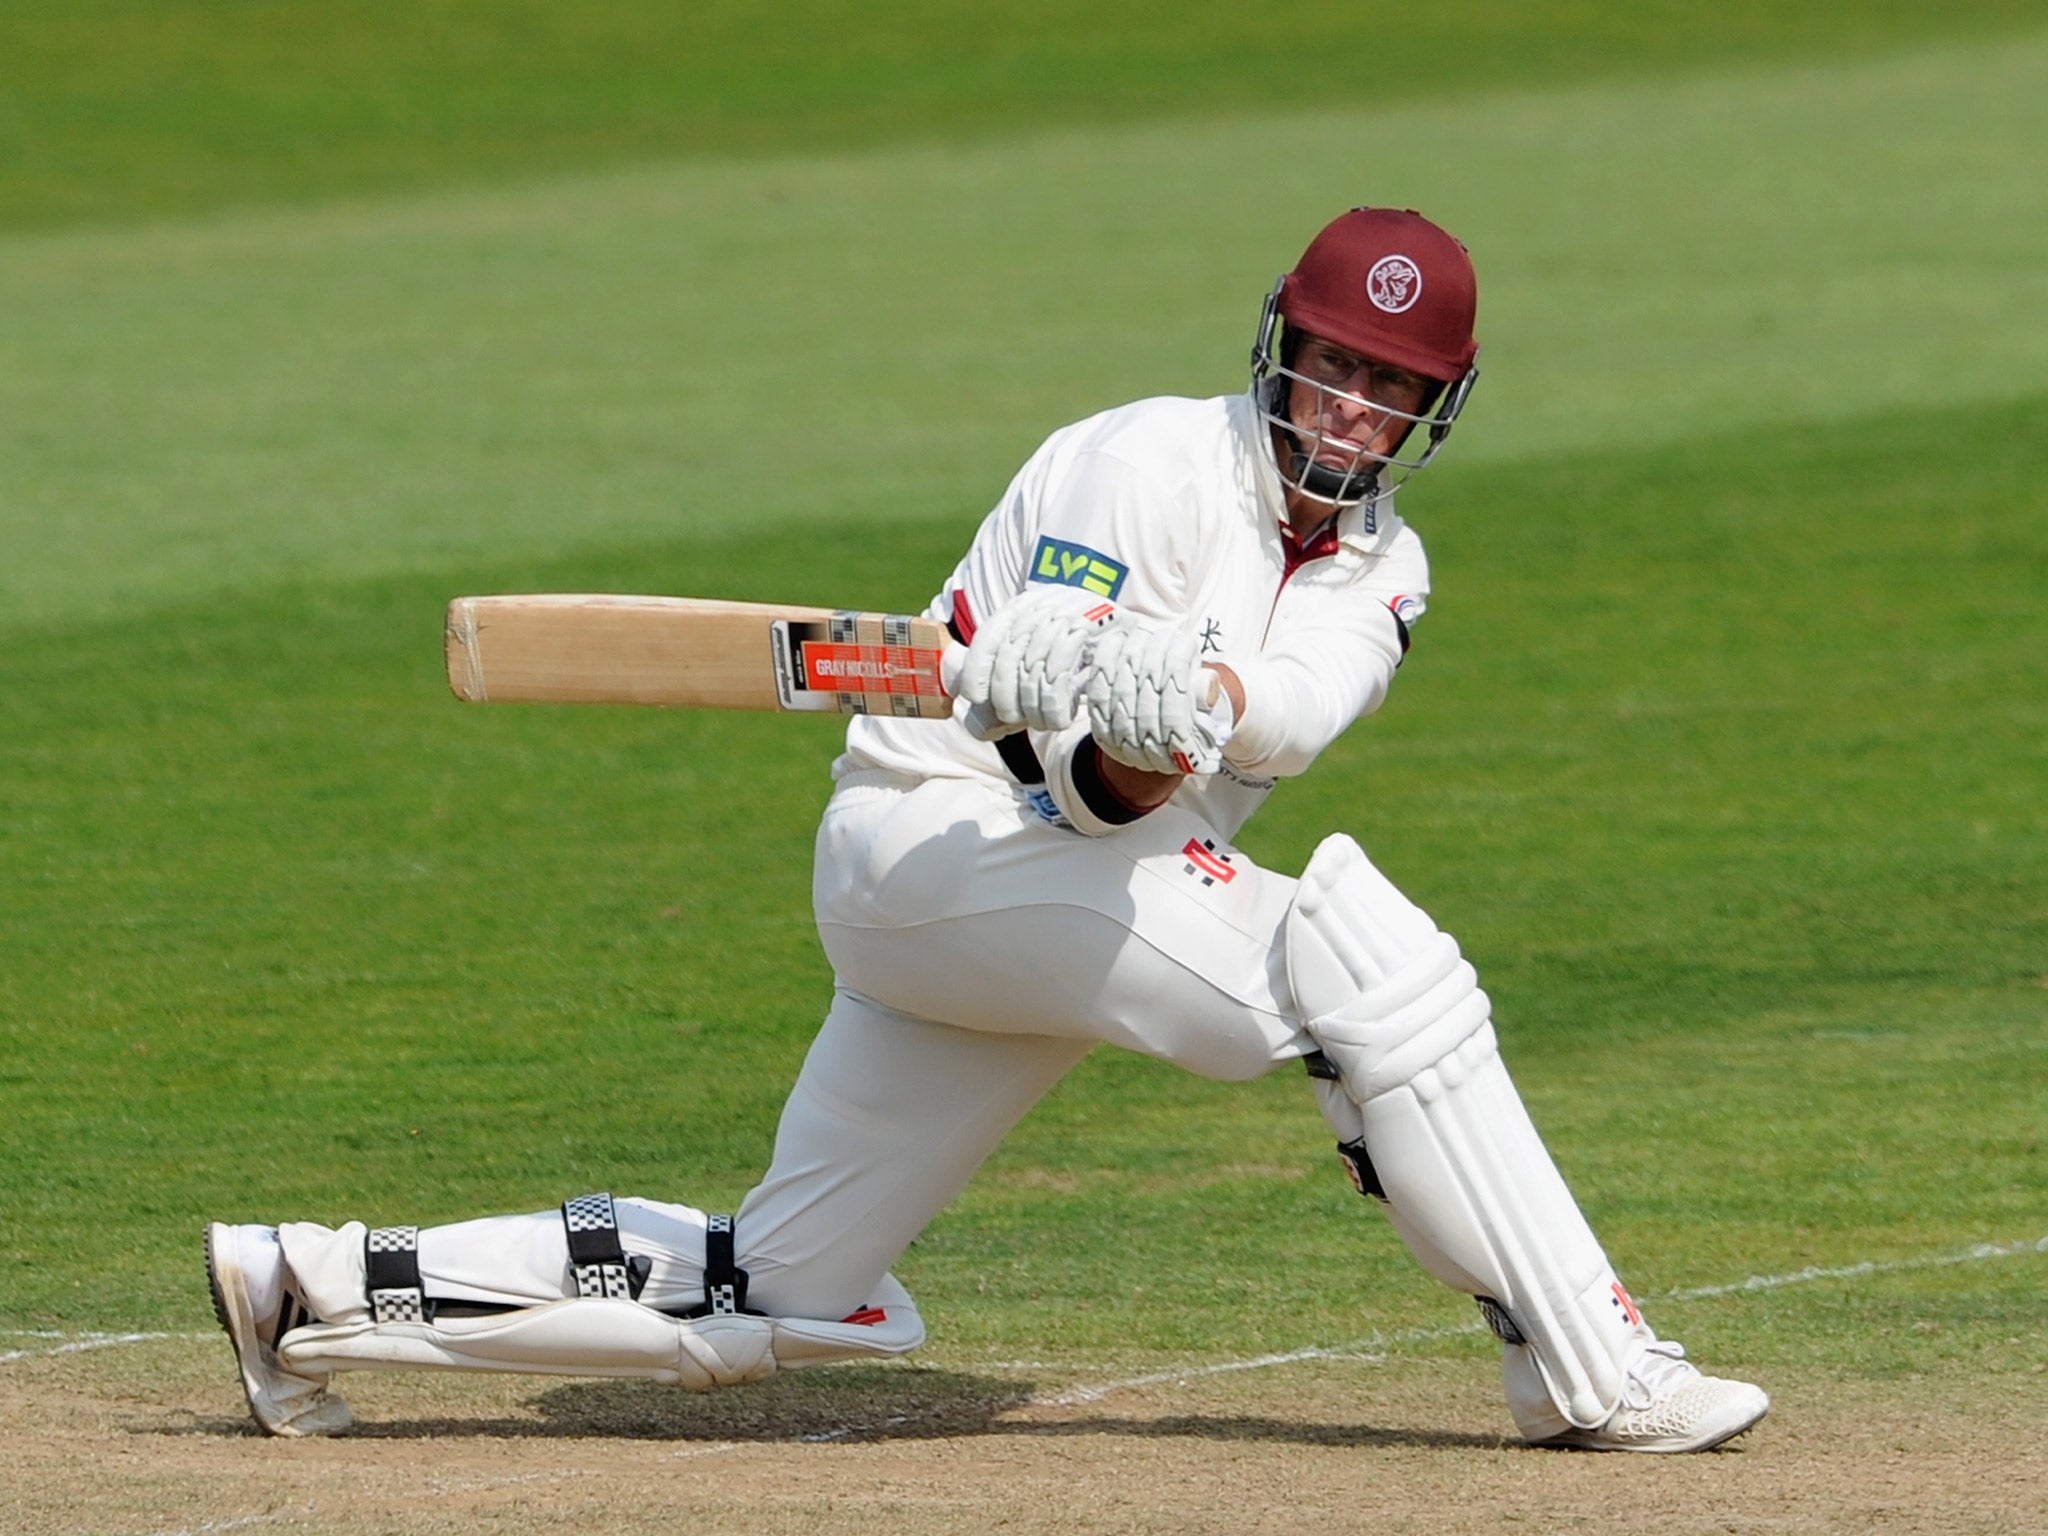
(693, 653)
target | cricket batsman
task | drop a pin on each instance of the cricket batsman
(1175, 604)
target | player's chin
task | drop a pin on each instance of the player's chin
(1345, 463)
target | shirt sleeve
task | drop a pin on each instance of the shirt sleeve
(1075, 785)
(1339, 632)
(1080, 515)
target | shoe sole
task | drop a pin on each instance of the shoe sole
(1574, 1442)
(218, 1236)
(230, 1308)
(220, 1302)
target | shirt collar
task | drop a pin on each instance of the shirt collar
(1255, 447)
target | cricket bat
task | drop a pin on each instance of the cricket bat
(696, 653)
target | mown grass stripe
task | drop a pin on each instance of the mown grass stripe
(466, 379)
(115, 112)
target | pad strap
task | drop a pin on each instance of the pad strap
(391, 1276)
(597, 1257)
(1497, 1319)
(1320, 1067)
(1357, 1160)
(1359, 1169)
(725, 1283)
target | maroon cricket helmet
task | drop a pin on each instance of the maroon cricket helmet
(1388, 283)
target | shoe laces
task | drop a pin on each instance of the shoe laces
(1658, 1371)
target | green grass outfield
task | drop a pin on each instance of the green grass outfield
(1723, 749)
(114, 108)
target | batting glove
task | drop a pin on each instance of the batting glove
(1023, 668)
(1149, 701)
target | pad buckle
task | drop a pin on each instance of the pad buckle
(597, 1257)
(1359, 1169)
(391, 1276)
(1499, 1322)
(725, 1283)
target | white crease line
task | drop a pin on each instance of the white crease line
(1372, 1349)
(1367, 1351)
(825, 1436)
(1853, 1271)
(1079, 1395)
(79, 1343)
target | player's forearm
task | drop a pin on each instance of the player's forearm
(1094, 792)
(1139, 789)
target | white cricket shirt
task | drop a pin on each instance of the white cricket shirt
(1172, 508)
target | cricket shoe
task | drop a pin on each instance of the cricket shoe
(245, 1271)
(1666, 1405)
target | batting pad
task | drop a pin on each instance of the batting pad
(595, 1336)
(1466, 1178)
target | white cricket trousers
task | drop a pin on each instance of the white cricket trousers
(978, 954)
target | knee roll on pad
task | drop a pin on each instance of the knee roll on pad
(604, 1336)
(1423, 1101)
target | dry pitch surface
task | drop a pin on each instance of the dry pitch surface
(151, 1437)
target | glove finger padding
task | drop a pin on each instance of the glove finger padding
(1047, 687)
(1020, 670)
(1115, 697)
(992, 644)
(1143, 708)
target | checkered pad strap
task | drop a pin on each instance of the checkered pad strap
(391, 1276)
(725, 1283)
(1498, 1320)
(1359, 1169)
(597, 1258)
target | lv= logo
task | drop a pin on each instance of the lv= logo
(1076, 565)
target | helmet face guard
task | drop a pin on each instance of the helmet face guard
(1388, 286)
(1300, 451)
